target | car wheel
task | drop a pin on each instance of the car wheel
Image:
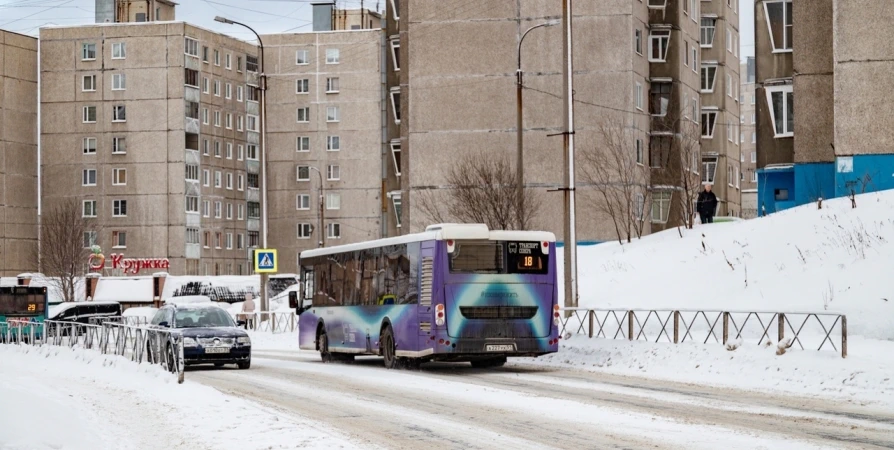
(386, 342)
(244, 364)
(171, 362)
(324, 348)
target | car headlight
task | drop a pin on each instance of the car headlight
(243, 340)
(190, 342)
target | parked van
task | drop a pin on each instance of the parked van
(82, 312)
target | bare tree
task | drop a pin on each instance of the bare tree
(688, 145)
(618, 177)
(481, 190)
(64, 246)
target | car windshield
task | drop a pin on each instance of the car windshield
(204, 317)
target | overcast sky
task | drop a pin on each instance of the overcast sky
(265, 16)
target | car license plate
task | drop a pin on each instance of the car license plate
(500, 348)
(217, 350)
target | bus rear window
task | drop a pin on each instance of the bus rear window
(499, 257)
(24, 304)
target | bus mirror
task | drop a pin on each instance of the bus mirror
(293, 299)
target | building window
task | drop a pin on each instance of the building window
(254, 94)
(303, 173)
(89, 114)
(729, 131)
(709, 78)
(191, 77)
(251, 152)
(638, 41)
(229, 236)
(781, 102)
(119, 113)
(396, 204)
(639, 151)
(205, 118)
(729, 175)
(738, 177)
(639, 206)
(251, 63)
(659, 98)
(333, 172)
(333, 231)
(228, 91)
(89, 83)
(119, 177)
(753, 175)
(240, 244)
(217, 153)
(686, 53)
(332, 85)
(302, 202)
(119, 50)
(694, 58)
(192, 236)
(89, 177)
(191, 109)
(238, 64)
(252, 180)
(217, 119)
(206, 242)
(709, 122)
(333, 200)
(251, 123)
(302, 86)
(228, 124)
(659, 41)
(218, 179)
(206, 85)
(206, 208)
(89, 208)
(709, 170)
(661, 203)
(240, 212)
(240, 152)
(89, 146)
(657, 3)
(303, 115)
(301, 58)
(332, 56)
(333, 143)
(206, 177)
(253, 238)
(119, 82)
(239, 93)
(240, 182)
(192, 204)
(254, 210)
(206, 147)
(730, 91)
(119, 208)
(239, 123)
(302, 144)
(192, 172)
(709, 27)
(229, 211)
(88, 52)
(89, 239)
(753, 138)
(638, 95)
(205, 54)
(395, 156)
(395, 104)
(659, 150)
(229, 62)
(395, 54)
(229, 150)
(229, 181)
(217, 88)
(191, 47)
(218, 243)
(332, 114)
(119, 239)
(304, 230)
(217, 58)
(218, 210)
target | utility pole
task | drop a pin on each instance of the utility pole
(571, 294)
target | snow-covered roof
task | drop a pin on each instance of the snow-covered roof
(125, 290)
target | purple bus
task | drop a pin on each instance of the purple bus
(457, 292)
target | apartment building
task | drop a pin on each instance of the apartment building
(824, 129)
(748, 108)
(154, 128)
(324, 139)
(18, 145)
(720, 103)
(636, 63)
(124, 11)
(328, 17)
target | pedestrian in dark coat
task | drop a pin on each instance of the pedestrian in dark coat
(706, 205)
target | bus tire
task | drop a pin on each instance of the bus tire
(386, 343)
(323, 340)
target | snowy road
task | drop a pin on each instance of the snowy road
(452, 406)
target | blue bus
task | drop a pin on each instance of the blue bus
(456, 292)
(22, 312)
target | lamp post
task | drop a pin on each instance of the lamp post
(570, 228)
(322, 241)
(520, 161)
(262, 82)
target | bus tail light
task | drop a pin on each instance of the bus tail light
(556, 314)
(451, 244)
(439, 315)
(545, 247)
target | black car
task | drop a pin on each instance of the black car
(210, 336)
(84, 313)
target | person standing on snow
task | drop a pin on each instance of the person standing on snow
(706, 205)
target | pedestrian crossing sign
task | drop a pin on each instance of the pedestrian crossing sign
(265, 261)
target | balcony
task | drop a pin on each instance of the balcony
(253, 224)
(193, 251)
(191, 125)
(253, 195)
(193, 220)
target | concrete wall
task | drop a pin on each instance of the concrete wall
(814, 77)
(771, 67)
(18, 154)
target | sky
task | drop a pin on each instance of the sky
(265, 16)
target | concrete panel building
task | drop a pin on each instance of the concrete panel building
(18, 154)
(826, 62)
(154, 128)
(748, 103)
(452, 79)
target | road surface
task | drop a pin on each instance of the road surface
(452, 406)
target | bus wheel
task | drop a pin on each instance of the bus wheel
(387, 345)
(324, 347)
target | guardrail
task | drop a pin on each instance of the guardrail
(687, 324)
(138, 343)
(272, 321)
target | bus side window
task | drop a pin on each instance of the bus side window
(337, 283)
(367, 287)
(409, 275)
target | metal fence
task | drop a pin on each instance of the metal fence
(138, 343)
(273, 322)
(682, 325)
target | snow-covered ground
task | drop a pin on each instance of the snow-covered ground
(59, 398)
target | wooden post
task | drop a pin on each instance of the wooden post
(592, 315)
(676, 327)
(725, 328)
(629, 325)
(781, 327)
(844, 336)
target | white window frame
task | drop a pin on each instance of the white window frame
(785, 90)
(305, 230)
(333, 114)
(228, 91)
(240, 212)
(298, 173)
(395, 149)
(206, 177)
(709, 170)
(302, 202)
(87, 148)
(206, 209)
(192, 204)
(119, 82)
(333, 201)
(240, 152)
(217, 58)
(394, 10)
(119, 239)
(302, 144)
(333, 56)
(85, 117)
(656, 4)
(229, 211)
(333, 172)
(228, 62)
(87, 49)
(228, 122)
(229, 151)
(252, 123)
(239, 93)
(711, 125)
(332, 85)
(395, 54)
(302, 115)
(638, 41)
(119, 50)
(240, 182)
(333, 143)
(396, 203)
(251, 152)
(229, 181)
(117, 174)
(92, 83)
(664, 205)
(395, 104)
(218, 179)
(191, 46)
(639, 154)
(218, 210)
(302, 86)
(333, 231)
(116, 113)
(301, 58)
(119, 206)
(88, 208)
(217, 88)
(661, 35)
(729, 85)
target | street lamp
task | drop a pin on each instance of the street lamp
(322, 240)
(262, 82)
(520, 163)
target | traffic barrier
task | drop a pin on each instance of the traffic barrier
(269, 321)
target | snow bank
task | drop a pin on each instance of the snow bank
(836, 259)
(99, 401)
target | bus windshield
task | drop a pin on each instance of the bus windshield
(499, 257)
(22, 304)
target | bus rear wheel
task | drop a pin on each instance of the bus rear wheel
(323, 339)
(387, 346)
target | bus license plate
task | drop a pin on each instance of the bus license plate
(217, 350)
(500, 348)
